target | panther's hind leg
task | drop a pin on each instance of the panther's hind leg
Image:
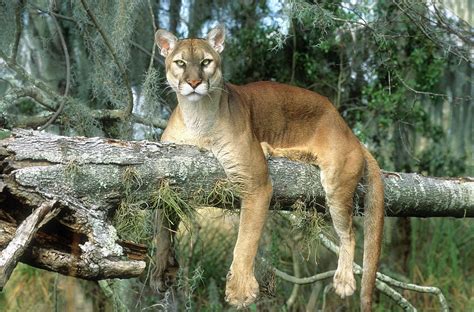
(339, 177)
(165, 264)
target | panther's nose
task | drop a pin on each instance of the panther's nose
(194, 83)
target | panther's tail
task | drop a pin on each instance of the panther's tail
(373, 228)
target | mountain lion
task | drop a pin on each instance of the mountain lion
(242, 125)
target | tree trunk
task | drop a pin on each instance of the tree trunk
(88, 178)
(175, 8)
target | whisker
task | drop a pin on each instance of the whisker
(209, 96)
(218, 88)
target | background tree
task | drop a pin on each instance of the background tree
(400, 73)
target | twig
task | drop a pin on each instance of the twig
(417, 91)
(468, 39)
(301, 280)
(107, 288)
(363, 23)
(143, 50)
(129, 108)
(392, 294)
(111, 114)
(297, 271)
(325, 294)
(155, 122)
(68, 72)
(422, 28)
(466, 98)
(150, 7)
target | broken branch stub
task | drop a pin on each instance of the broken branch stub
(11, 254)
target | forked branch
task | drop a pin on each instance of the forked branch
(382, 282)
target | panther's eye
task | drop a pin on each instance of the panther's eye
(206, 62)
(180, 63)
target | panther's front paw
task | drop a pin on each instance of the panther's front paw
(344, 283)
(241, 290)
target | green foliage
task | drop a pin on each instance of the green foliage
(223, 194)
(214, 297)
(313, 15)
(251, 59)
(445, 261)
(134, 218)
(440, 161)
(174, 207)
(48, 291)
(306, 222)
(4, 134)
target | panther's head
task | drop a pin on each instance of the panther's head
(193, 66)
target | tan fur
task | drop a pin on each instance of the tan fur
(243, 124)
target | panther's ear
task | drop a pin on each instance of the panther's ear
(166, 41)
(216, 38)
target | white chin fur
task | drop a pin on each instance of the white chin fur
(194, 97)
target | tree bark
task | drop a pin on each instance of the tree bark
(88, 178)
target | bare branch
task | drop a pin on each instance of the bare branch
(381, 286)
(111, 114)
(303, 280)
(382, 278)
(68, 72)
(381, 282)
(143, 50)
(155, 122)
(34, 122)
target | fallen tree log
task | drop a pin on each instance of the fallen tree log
(89, 178)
